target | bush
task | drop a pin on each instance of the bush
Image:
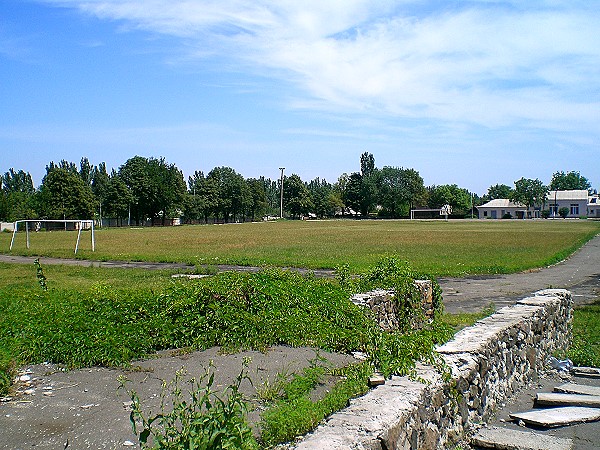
(545, 213)
(563, 212)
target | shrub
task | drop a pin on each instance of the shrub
(563, 212)
(507, 216)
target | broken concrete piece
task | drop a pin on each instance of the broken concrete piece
(573, 388)
(376, 380)
(559, 399)
(507, 439)
(592, 372)
(557, 417)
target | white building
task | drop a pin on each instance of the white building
(576, 201)
(500, 207)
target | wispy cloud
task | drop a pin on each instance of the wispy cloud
(486, 63)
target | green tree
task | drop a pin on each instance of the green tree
(399, 190)
(562, 181)
(233, 196)
(157, 188)
(258, 198)
(99, 180)
(117, 198)
(450, 194)
(296, 197)
(64, 195)
(499, 191)
(17, 196)
(530, 193)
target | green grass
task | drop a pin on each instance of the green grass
(585, 349)
(440, 248)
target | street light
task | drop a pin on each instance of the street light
(281, 201)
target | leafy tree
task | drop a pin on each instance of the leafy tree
(17, 196)
(499, 191)
(450, 194)
(296, 198)
(529, 192)
(99, 180)
(323, 198)
(64, 195)
(367, 164)
(562, 181)
(117, 198)
(258, 198)
(399, 189)
(232, 193)
(157, 188)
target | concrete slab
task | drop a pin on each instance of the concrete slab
(557, 417)
(507, 439)
(561, 399)
(574, 388)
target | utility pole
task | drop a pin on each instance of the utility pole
(281, 200)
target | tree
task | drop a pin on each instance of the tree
(17, 196)
(117, 198)
(64, 195)
(258, 198)
(450, 194)
(499, 191)
(157, 188)
(232, 193)
(296, 198)
(399, 189)
(99, 180)
(530, 192)
(562, 181)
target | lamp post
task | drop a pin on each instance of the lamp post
(281, 198)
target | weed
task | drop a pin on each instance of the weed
(40, 275)
(198, 419)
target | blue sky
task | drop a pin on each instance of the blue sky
(467, 92)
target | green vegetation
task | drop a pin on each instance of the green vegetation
(585, 349)
(204, 421)
(439, 248)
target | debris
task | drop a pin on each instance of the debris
(376, 380)
(507, 439)
(91, 405)
(25, 378)
(560, 399)
(591, 372)
(562, 366)
(573, 388)
(556, 417)
(29, 391)
(128, 444)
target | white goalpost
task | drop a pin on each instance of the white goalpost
(37, 223)
(431, 213)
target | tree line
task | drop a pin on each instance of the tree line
(151, 190)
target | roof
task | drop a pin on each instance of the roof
(579, 194)
(501, 203)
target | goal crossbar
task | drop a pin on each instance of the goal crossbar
(82, 223)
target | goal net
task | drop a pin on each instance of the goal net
(69, 226)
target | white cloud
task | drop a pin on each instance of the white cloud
(486, 63)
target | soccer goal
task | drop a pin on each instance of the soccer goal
(431, 213)
(37, 225)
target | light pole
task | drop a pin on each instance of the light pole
(281, 198)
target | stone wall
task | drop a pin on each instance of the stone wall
(489, 361)
(384, 307)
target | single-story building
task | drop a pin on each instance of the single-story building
(501, 207)
(593, 206)
(575, 200)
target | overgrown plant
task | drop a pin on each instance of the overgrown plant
(40, 274)
(199, 419)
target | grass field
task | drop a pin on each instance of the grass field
(440, 248)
